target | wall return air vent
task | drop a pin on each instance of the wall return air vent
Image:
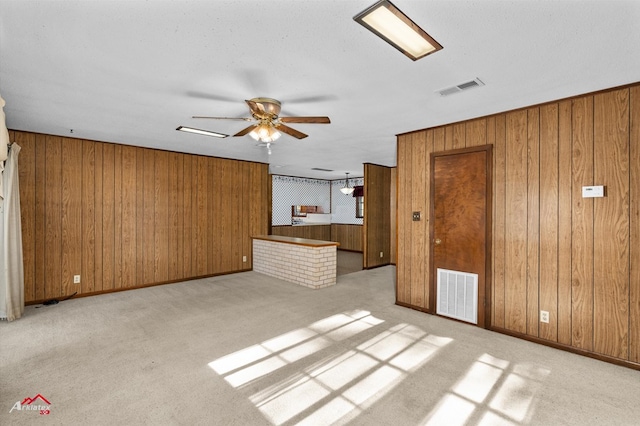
(460, 87)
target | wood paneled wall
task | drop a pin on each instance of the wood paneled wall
(578, 258)
(348, 235)
(393, 222)
(313, 232)
(377, 215)
(123, 217)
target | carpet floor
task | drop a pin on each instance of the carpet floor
(248, 349)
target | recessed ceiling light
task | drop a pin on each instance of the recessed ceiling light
(201, 132)
(397, 29)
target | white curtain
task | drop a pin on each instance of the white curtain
(11, 268)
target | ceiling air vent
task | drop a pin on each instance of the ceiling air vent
(460, 87)
(321, 170)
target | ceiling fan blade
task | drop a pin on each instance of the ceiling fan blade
(308, 99)
(223, 118)
(246, 131)
(291, 132)
(319, 120)
(210, 96)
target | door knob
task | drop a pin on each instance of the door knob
(438, 241)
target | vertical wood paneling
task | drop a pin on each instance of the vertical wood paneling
(564, 222)
(87, 279)
(71, 215)
(194, 215)
(203, 217)
(245, 209)
(178, 219)
(581, 257)
(611, 224)
(582, 225)
(438, 145)
(393, 200)
(172, 218)
(376, 216)
(516, 229)
(108, 216)
(404, 221)
(255, 204)
(99, 206)
(187, 223)
(128, 243)
(419, 229)
(496, 132)
(124, 217)
(549, 219)
(53, 225)
(403, 286)
(634, 192)
(117, 216)
(533, 219)
(140, 216)
(215, 222)
(149, 192)
(476, 132)
(458, 136)
(218, 249)
(40, 215)
(27, 180)
(161, 217)
(236, 216)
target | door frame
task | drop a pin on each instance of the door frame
(488, 229)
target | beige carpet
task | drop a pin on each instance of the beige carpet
(246, 349)
(348, 262)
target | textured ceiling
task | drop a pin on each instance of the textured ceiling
(132, 71)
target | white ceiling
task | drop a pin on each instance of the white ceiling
(132, 71)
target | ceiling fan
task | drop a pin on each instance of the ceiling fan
(267, 123)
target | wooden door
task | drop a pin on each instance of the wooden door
(461, 219)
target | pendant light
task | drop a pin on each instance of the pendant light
(346, 190)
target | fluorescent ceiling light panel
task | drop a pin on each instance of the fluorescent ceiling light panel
(393, 26)
(201, 132)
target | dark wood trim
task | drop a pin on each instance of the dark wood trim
(118, 290)
(567, 348)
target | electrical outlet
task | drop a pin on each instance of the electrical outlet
(76, 279)
(544, 316)
(381, 254)
(244, 258)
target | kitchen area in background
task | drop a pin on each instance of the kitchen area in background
(317, 209)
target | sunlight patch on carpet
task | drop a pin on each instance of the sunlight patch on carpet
(339, 386)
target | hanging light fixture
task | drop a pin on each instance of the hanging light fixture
(265, 132)
(346, 190)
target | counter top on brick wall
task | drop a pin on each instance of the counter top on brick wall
(298, 241)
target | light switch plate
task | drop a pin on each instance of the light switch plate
(593, 191)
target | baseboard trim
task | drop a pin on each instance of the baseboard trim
(116, 290)
(567, 348)
(555, 345)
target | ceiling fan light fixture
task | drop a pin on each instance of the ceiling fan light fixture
(201, 132)
(265, 132)
(346, 190)
(389, 23)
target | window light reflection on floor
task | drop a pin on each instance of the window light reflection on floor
(492, 390)
(339, 386)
